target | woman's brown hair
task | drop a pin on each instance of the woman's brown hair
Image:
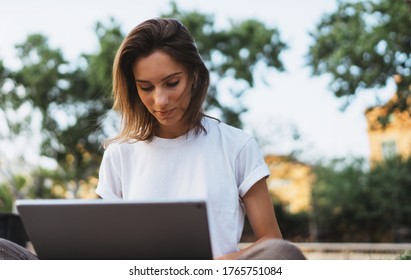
(173, 38)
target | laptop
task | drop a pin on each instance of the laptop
(97, 229)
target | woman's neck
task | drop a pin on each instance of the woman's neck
(171, 132)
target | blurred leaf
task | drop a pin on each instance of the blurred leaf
(362, 45)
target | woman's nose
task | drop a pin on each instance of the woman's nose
(160, 97)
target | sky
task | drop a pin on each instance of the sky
(292, 100)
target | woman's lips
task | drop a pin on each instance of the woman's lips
(165, 113)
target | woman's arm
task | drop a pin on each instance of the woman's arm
(260, 212)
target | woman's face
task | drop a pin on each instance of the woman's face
(162, 85)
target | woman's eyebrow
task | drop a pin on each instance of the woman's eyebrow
(163, 79)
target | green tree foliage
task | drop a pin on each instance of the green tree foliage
(38, 185)
(337, 200)
(11, 116)
(16, 188)
(6, 198)
(71, 99)
(362, 45)
(353, 204)
(392, 181)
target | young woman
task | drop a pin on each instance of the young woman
(169, 149)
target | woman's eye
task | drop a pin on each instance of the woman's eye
(146, 88)
(173, 84)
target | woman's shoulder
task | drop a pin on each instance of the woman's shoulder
(225, 129)
(232, 138)
(121, 146)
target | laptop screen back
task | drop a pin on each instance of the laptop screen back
(98, 229)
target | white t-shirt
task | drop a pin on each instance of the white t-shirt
(219, 166)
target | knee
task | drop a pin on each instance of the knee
(6, 252)
(281, 249)
(5, 244)
(273, 249)
(12, 251)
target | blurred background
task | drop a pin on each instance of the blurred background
(323, 85)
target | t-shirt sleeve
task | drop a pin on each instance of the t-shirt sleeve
(250, 166)
(109, 184)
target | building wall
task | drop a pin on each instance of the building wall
(290, 181)
(392, 139)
